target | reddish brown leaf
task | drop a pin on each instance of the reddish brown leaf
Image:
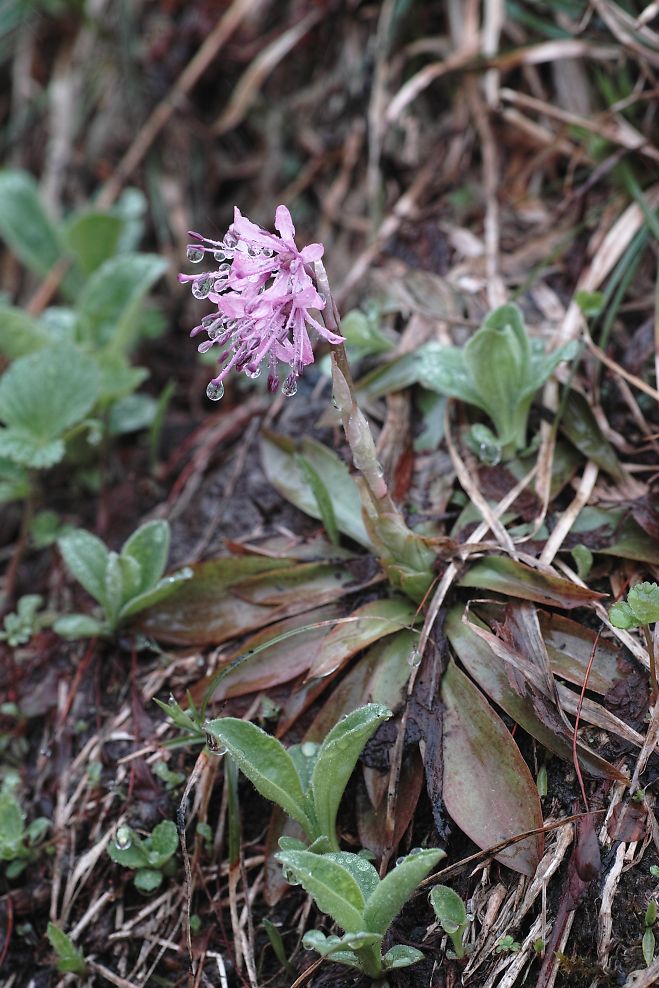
(488, 789)
(507, 576)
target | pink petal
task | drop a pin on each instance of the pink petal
(312, 252)
(284, 223)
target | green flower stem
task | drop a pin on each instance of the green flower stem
(649, 642)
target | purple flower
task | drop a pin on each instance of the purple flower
(264, 291)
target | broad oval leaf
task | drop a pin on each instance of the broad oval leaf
(109, 299)
(267, 765)
(331, 886)
(361, 870)
(401, 956)
(490, 672)
(488, 789)
(149, 546)
(395, 889)
(337, 759)
(20, 333)
(86, 558)
(93, 237)
(47, 392)
(24, 224)
(449, 908)
(163, 589)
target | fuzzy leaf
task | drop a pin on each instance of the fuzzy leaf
(161, 591)
(622, 616)
(45, 394)
(109, 300)
(331, 886)
(74, 626)
(449, 908)
(267, 765)
(361, 870)
(93, 237)
(86, 558)
(337, 758)
(401, 956)
(149, 546)
(24, 224)
(395, 889)
(148, 880)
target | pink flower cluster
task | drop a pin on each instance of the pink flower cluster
(264, 291)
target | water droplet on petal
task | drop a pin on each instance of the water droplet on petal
(289, 387)
(253, 251)
(123, 838)
(202, 287)
(219, 255)
(230, 239)
(205, 346)
(253, 372)
(215, 391)
(194, 254)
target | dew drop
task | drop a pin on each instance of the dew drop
(253, 251)
(214, 745)
(224, 269)
(230, 239)
(219, 255)
(123, 838)
(309, 749)
(215, 391)
(399, 861)
(205, 346)
(289, 387)
(214, 331)
(414, 658)
(415, 850)
(253, 372)
(267, 252)
(194, 254)
(202, 287)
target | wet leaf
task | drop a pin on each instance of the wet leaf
(278, 456)
(266, 763)
(394, 890)
(286, 658)
(337, 759)
(332, 887)
(570, 644)
(532, 712)
(508, 576)
(580, 426)
(231, 596)
(488, 789)
(365, 625)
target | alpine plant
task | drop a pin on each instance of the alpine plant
(265, 294)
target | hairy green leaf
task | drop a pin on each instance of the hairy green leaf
(267, 765)
(387, 900)
(331, 886)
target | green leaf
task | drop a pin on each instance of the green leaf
(127, 849)
(24, 224)
(43, 395)
(164, 840)
(267, 765)
(279, 462)
(622, 616)
(497, 360)
(86, 558)
(590, 303)
(508, 576)
(148, 880)
(12, 826)
(401, 956)
(395, 889)
(488, 789)
(93, 237)
(581, 427)
(337, 759)
(109, 300)
(322, 496)
(74, 626)
(331, 886)
(20, 333)
(449, 908)
(361, 870)
(161, 591)
(648, 946)
(361, 333)
(643, 598)
(131, 413)
(69, 958)
(149, 547)
(327, 946)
